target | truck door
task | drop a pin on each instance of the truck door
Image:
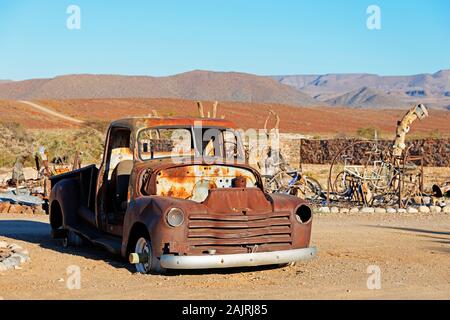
(114, 179)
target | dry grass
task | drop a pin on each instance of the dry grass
(18, 141)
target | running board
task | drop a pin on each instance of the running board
(110, 243)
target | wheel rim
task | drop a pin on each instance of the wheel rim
(143, 247)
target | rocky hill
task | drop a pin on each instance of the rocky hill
(431, 89)
(367, 98)
(202, 85)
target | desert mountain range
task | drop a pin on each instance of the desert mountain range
(202, 85)
(350, 90)
(371, 90)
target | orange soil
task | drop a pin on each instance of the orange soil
(308, 120)
(13, 111)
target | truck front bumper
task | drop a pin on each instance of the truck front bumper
(237, 260)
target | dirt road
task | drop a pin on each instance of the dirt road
(52, 112)
(412, 252)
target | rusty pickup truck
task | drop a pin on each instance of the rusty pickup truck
(177, 193)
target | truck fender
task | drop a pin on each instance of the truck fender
(66, 194)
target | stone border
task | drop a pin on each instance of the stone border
(19, 256)
(390, 210)
(7, 207)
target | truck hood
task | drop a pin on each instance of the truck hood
(192, 178)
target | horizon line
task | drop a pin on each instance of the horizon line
(219, 71)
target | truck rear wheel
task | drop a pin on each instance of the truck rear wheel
(72, 240)
(149, 262)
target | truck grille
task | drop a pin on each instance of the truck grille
(231, 233)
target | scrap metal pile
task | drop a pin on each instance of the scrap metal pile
(365, 173)
(278, 175)
(434, 151)
(26, 190)
(381, 176)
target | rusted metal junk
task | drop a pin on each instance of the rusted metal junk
(168, 196)
(28, 189)
(381, 176)
(378, 180)
(278, 175)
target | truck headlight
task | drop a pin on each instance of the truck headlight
(303, 214)
(175, 217)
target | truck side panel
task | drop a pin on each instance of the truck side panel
(86, 178)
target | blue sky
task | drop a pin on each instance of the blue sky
(260, 36)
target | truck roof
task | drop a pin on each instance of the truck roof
(136, 123)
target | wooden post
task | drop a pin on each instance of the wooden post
(215, 109)
(200, 109)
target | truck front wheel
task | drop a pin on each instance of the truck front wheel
(144, 259)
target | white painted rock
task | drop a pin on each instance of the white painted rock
(354, 210)
(11, 262)
(324, 210)
(19, 255)
(426, 200)
(424, 209)
(401, 210)
(23, 257)
(14, 247)
(391, 210)
(412, 210)
(367, 210)
(344, 210)
(446, 209)
(334, 210)
(380, 210)
(435, 209)
(22, 251)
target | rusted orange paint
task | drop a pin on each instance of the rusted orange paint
(184, 182)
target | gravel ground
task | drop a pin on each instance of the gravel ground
(412, 252)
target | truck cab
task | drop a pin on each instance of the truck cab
(177, 193)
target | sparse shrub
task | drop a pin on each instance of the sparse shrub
(367, 132)
(66, 142)
(7, 159)
(17, 130)
(435, 134)
(101, 126)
